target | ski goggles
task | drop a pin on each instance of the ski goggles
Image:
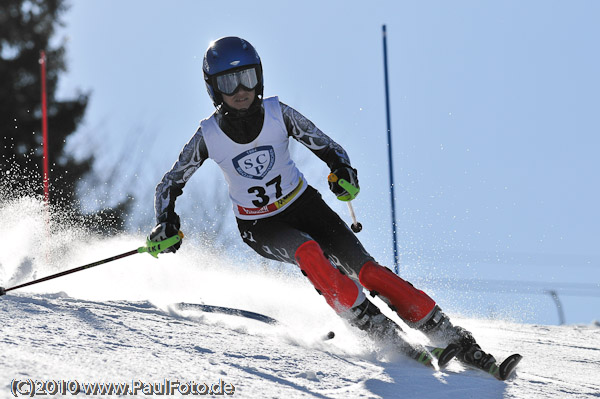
(229, 83)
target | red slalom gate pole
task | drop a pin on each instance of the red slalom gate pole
(45, 126)
(45, 145)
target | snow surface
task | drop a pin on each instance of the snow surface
(117, 323)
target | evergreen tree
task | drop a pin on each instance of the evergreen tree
(26, 28)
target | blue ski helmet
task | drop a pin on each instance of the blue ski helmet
(228, 55)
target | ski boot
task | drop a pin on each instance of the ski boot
(439, 329)
(367, 317)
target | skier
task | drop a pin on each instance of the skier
(279, 215)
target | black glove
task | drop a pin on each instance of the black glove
(165, 230)
(347, 173)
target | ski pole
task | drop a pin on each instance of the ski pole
(153, 248)
(356, 226)
(352, 193)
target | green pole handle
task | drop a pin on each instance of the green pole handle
(352, 193)
(346, 185)
(154, 248)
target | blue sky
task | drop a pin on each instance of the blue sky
(494, 119)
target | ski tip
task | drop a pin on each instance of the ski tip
(448, 354)
(508, 366)
(2, 291)
(444, 355)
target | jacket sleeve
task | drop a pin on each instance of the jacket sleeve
(303, 130)
(193, 154)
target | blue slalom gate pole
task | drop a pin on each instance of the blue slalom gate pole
(390, 161)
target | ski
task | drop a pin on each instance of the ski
(419, 353)
(444, 355)
(505, 370)
(237, 312)
(502, 371)
(225, 310)
(422, 354)
(425, 355)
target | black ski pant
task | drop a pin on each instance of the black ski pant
(308, 218)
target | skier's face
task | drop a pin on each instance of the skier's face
(240, 100)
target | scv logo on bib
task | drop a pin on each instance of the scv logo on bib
(255, 163)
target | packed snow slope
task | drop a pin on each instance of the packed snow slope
(56, 337)
(117, 323)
